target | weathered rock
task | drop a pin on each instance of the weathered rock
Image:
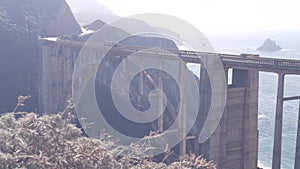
(97, 24)
(63, 23)
(90, 11)
(269, 46)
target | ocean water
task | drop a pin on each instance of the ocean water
(266, 118)
(290, 42)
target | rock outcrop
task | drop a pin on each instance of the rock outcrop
(97, 24)
(90, 10)
(269, 46)
(45, 18)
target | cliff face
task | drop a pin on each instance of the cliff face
(45, 18)
(90, 10)
(64, 23)
(21, 22)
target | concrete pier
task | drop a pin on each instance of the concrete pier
(297, 155)
(276, 161)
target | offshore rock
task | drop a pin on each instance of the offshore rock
(269, 46)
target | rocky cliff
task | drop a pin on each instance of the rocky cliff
(90, 10)
(21, 23)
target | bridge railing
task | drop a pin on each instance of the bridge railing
(261, 61)
(194, 56)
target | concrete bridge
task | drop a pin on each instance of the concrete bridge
(234, 144)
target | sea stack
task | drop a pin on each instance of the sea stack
(269, 46)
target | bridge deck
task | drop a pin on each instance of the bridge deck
(244, 61)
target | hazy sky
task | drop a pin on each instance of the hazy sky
(219, 16)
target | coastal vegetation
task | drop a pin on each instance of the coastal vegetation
(29, 140)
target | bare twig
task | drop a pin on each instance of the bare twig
(21, 102)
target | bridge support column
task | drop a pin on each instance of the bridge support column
(182, 114)
(161, 87)
(297, 156)
(276, 162)
(205, 94)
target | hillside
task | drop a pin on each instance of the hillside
(90, 10)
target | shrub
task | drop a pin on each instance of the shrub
(51, 141)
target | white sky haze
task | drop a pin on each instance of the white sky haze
(219, 16)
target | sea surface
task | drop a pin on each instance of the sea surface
(247, 43)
